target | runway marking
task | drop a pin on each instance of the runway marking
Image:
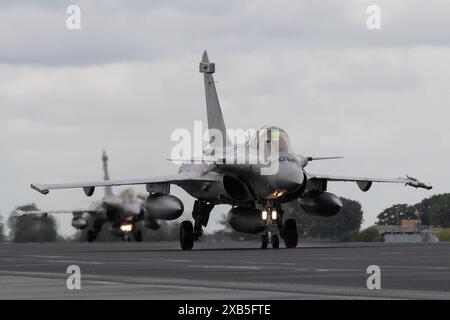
(75, 262)
(140, 261)
(271, 263)
(417, 268)
(272, 268)
(328, 270)
(227, 267)
(41, 256)
(393, 253)
(339, 270)
(165, 260)
(338, 258)
(323, 270)
(148, 260)
(40, 264)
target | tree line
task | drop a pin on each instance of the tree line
(345, 226)
(433, 211)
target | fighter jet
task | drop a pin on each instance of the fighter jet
(244, 181)
(123, 211)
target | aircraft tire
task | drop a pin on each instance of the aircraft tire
(138, 236)
(91, 236)
(290, 233)
(264, 241)
(275, 242)
(186, 235)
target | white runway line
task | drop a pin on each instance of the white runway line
(271, 263)
(227, 267)
(391, 253)
(328, 270)
(416, 267)
(42, 256)
(74, 262)
(177, 260)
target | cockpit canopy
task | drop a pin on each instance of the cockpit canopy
(128, 195)
(269, 136)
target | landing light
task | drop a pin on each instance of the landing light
(126, 227)
(274, 215)
(264, 214)
(277, 194)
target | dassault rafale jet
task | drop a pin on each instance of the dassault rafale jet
(255, 193)
(124, 212)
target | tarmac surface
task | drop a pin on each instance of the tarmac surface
(160, 270)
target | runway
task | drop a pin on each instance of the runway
(160, 270)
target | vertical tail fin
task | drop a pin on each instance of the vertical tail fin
(214, 112)
(108, 189)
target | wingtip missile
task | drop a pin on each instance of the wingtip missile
(323, 158)
(416, 183)
(40, 188)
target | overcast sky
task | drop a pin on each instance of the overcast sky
(130, 77)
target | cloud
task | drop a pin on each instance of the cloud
(146, 31)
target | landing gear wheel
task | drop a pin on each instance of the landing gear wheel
(264, 241)
(186, 235)
(275, 242)
(91, 235)
(290, 233)
(138, 236)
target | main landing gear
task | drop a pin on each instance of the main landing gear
(186, 235)
(275, 228)
(93, 233)
(290, 233)
(137, 234)
(192, 232)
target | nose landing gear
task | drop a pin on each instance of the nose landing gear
(275, 228)
(275, 242)
(264, 241)
(272, 218)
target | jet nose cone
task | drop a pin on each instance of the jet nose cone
(289, 179)
(132, 208)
